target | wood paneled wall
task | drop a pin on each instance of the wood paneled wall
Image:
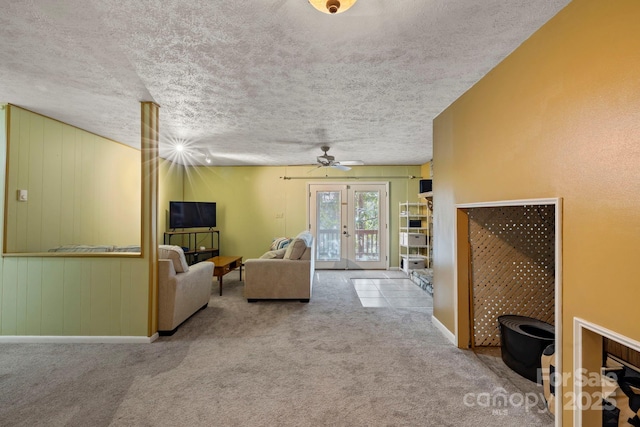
(82, 188)
(73, 296)
(59, 296)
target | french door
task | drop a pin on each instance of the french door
(349, 222)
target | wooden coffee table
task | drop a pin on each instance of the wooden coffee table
(224, 265)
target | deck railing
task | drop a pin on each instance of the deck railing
(367, 245)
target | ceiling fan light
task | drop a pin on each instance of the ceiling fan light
(332, 6)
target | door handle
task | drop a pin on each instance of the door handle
(346, 233)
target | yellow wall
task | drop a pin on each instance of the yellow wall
(170, 188)
(72, 296)
(73, 178)
(558, 118)
(425, 171)
(250, 199)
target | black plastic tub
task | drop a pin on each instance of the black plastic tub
(522, 340)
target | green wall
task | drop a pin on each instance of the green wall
(73, 178)
(71, 296)
(256, 205)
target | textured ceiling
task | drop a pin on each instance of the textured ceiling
(259, 82)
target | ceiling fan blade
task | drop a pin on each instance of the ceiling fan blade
(341, 167)
(327, 160)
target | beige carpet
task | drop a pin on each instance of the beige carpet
(278, 363)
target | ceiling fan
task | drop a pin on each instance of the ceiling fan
(327, 161)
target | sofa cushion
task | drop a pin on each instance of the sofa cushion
(176, 255)
(279, 243)
(295, 249)
(279, 254)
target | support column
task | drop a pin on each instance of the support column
(149, 157)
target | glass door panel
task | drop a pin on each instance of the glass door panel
(328, 216)
(350, 225)
(367, 225)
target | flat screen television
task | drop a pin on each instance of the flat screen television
(425, 185)
(192, 214)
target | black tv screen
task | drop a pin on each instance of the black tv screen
(192, 214)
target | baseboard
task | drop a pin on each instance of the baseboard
(61, 339)
(443, 330)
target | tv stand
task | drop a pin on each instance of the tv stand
(193, 243)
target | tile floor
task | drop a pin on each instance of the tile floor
(391, 292)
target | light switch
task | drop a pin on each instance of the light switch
(22, 195)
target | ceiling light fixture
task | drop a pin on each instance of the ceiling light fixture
(332, 6)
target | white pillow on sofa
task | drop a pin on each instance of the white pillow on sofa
(176, 255)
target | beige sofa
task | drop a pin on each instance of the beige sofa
(183, 290)
(284, 274)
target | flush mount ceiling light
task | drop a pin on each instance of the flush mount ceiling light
(332, 6)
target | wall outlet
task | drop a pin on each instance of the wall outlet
(22, 195)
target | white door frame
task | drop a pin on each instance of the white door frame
(384, 225)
